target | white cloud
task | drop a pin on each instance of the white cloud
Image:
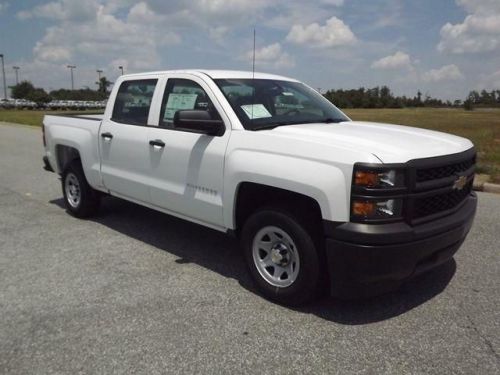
(207, 13)
(490, 81)
(445, 73)
(100, 36)
(336, 3)
(480, 6)
(334, 33)
(3, 7)
(230, 7)
(218, 33)
(479, 32)
(399, 60)
(80, 10)
(52, 53)
(271, 56)
(390, 15)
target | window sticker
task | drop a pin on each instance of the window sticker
(258, 111)
(177, 102)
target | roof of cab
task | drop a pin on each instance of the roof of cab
(216, 74)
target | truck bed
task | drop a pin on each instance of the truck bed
(79, 132)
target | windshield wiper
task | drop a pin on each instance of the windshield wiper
(330, 120)
(273, 125)
(276, 124)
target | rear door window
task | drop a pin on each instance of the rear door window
(133, 101)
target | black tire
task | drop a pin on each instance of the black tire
(307, 285)
(88, 204)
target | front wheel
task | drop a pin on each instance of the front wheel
(282, 257)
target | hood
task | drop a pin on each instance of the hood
(389, 143)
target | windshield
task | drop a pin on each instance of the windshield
(265, 103)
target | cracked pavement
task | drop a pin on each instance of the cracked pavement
(137, 291)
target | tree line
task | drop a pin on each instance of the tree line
(382, 97)
(377, 97)
(26, 90)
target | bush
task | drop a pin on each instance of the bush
(468, 105)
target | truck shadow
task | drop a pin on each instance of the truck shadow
(215, 251)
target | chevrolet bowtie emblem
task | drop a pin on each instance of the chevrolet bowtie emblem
(460, 183)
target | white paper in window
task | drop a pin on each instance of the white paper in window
(258, 111)
(177, 102)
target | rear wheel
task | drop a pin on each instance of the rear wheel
(281, 256)
(80, 199)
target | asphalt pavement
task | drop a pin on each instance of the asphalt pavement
(136, 291)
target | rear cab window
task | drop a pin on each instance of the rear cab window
(133, 101)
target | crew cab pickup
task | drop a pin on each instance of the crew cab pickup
(320, 203)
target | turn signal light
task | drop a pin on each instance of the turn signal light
(360, 208)
(381, 179)
(366, 178)
(377, 209)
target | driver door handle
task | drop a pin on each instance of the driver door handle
(157, 143)
(107, 136)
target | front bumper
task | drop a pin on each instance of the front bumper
(367, 259)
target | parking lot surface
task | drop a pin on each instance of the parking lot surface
(136, 291)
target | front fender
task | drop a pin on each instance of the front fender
(323, 182)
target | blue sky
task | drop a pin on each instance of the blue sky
(441, 47)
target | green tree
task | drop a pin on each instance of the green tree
(103, 84)
(82, 94)
(39, 96)
(474, 97)
(469, 105)
(386, 97)
(22, 90)
(418, 99)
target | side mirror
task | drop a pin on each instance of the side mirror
(199, 121)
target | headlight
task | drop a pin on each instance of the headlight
(378, 179)
(373, 209)
(378, 193)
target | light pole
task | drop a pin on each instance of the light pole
(71, 67)
(3, 75)
(16, 69)
(121, 68)
(99, 71)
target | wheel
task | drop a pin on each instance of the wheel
(282, 257)
(80, 199)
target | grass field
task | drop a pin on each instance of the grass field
(481, 126)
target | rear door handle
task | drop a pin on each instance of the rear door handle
(157, 143)
(108, 136)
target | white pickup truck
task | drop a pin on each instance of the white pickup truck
(321, 203)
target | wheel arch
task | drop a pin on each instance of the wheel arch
(65, 155)
(251, 196)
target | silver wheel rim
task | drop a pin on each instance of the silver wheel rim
(73, 191)
(275, 256)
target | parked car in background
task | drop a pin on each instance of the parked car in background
(73, 105)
